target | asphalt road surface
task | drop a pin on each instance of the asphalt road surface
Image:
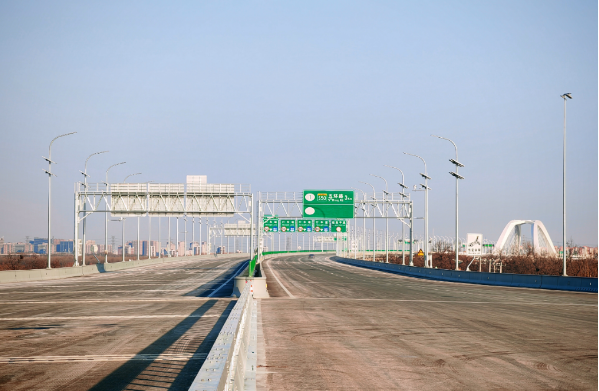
(329, 326)
(147, 328)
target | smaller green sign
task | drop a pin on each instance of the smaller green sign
(304, 225)
(338, 225)
(271, 223)
(321, 225)
(287, 225)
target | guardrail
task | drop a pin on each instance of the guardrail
(586, 284)
(231, 363)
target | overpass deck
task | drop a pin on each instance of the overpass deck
(330, 326)
(139, 329)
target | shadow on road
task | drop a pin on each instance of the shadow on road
(209, 287)
(169, 374)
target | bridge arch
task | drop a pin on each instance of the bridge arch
(510, 240)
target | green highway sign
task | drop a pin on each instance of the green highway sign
(287, 225)
(321, 225)
(336, 204)
(338, 225)
(271, 223)
(304, 225)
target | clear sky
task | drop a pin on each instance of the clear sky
(307, 94)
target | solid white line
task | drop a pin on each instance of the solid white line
(279, 281)
(225, 283)
(451, 301)
(189, 298)
(110, 317)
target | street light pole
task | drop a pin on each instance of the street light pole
(426, 189)
(106, 215)
(385, 194)
(85, 209)
(564, 96)
(457, 179)
(49, 172)
(403, 240)
(373, 223)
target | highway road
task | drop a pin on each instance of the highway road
(329, 326)
(147, 328)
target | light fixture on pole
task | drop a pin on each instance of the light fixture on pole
(426, 189)
(84, 211)
(567, 95)
(403, 195)
(457, 179)
(106, 214)
(385, 194)
(373, 222)
(49, 172)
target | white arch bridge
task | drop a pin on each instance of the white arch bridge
(510, 240)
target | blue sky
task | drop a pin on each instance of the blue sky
(293, 95)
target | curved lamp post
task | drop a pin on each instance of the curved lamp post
(426, 189)
(403, 195)
(49, 172)
(84, 172)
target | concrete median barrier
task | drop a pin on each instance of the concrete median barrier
(585, 284)
(231, 363)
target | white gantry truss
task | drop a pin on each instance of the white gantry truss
(366, 206)
(162, 199)
(510, 241)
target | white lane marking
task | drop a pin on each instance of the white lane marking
(111, 301)
(109, 317)
(107, 357)
(448, 301)
(280, 283)
(93, 291)
(225, 283)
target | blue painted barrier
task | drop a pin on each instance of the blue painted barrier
(586, 284)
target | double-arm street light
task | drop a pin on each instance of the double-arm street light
(373, 222)
(567, 95)
(106, 215)
(49, 172)
(426, 189)
(85, 175)
(403, 195)
(385, 194)
(457, 179)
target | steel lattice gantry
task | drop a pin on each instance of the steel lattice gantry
(379, 206)
(162, 199)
